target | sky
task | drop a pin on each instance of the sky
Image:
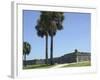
(76, 34)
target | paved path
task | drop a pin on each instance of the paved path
(58, 66)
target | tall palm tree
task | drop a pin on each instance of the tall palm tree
(55, 24)
(26, 50)
(42, 30)
(48, 24)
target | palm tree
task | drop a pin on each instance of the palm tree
(26, 50)
(48, 24)
(42, 30)
(55, 24)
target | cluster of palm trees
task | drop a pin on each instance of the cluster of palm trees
(48, 25)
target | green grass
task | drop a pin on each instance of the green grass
(37, 66)
(45, 66)
(79, 64)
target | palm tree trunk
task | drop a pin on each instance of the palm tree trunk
(51, 51)
(46, 56)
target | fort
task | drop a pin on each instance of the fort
(75, 56)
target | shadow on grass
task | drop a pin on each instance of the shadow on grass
(39, 66)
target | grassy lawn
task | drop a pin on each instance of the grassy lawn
(79, 64)
(39, 66)
(45, 66)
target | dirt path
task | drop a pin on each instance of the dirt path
(58, 66)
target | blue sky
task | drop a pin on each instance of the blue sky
(75, 35)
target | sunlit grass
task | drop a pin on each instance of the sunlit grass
(79, 64)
